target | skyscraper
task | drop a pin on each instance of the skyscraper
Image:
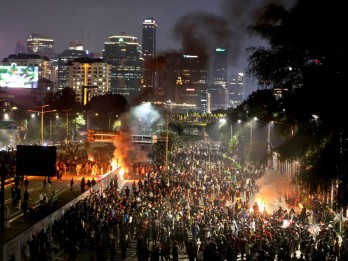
(191, 82)
(236, 90)
(88, 77)
(124, 54)
(149, 51)
(220, 67)
(218, 95)
(63, 59)
(19, 48)
(42, 45)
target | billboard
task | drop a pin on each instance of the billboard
(13, 76)
(36, 160)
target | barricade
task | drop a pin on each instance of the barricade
(13, 247)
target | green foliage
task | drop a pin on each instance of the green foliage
(309, 72)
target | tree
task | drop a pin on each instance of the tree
(64, 99)
(108, 107)
(306, 60)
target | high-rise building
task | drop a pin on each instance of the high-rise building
(218, 90)
(191, 82)
(42, 45)
(75, 51)
(124, 54)
(149, 51)
(19, 48)
(236, 90)
(88, 77)
(218, 96)
(220, 67)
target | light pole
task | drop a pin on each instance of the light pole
(251, 134)
(67, 122)
(269, 144)
(42, 112)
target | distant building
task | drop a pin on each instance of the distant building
(64, 58)
(127, 65)
(88, 77)
(218, 97)
(42, 45)
(23, 59)
(236, 90)
(220, 67)
(75, 45)
(149, 52)
(191, 82)
(19, 48)
(29, 97)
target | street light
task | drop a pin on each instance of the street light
(42, 112)
(67, 122)
(251, 133)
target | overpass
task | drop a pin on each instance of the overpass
(113, 136)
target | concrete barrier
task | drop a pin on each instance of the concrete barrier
(14, 246)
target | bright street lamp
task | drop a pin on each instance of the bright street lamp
(42, 112)
(251, 133)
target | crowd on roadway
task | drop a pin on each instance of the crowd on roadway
(199, 205)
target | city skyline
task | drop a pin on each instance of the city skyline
(221, 22)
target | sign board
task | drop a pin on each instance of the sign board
(36, 160)
(8, 125)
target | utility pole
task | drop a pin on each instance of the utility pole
(67, 122)
(42, 112)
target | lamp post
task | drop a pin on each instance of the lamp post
(251, 134)
(67, 122)
(269, 145)
(42, 112)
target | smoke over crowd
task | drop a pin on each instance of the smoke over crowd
(138, 121)
(200, 33)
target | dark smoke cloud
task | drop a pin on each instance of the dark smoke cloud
(201, 33)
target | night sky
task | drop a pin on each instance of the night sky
(180, 23)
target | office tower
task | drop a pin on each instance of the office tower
(42, 45)
(191, 82)
(220, 67)
(149, 52)
(124, 54)
(236, 90)
(75, 45)
(218, 93)
(88, 77)
(75, 51)
(218, 97)
(19, 48)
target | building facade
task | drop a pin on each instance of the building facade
(218, 97)
(220, 67)
(88, 77)
(191, 81)
(124, 55)
(236, 90)
(149, 52)
(23, 59)
(63, 59)
(42, 45)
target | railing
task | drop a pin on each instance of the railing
(112, 136)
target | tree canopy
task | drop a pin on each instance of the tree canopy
(304, 62)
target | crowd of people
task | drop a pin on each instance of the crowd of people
(199, 205)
